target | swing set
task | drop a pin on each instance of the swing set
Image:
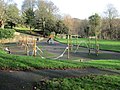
(90, 46)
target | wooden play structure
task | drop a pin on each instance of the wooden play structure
(30, 45)
(77, 43)
(70, 43)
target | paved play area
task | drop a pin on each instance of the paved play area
(54, 51)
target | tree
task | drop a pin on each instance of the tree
(60, 27)
(3, 6)
(28, 4)
(2, 13)
(84, 31)
(111, 14)
(45, 15)
(76, 26)
(12, 13)
(95, 24)
(29, 18)
(28, 13)
(68, 21)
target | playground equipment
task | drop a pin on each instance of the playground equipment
(81, 42)
(96, 45)
(31, 43)
(61, 55)
(90, 46)
(31, 48)
(70, 43)
(51, 37)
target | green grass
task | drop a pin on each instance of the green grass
(104, 44)
(104, 64)
(14, 62)
(22, 28)
(91, 82)
(26, 31)
(26, 62)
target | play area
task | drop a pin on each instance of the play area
(51, 48)
(43, 47)
(49, 60)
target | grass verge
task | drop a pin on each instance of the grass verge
(15, 62)
(91, 82)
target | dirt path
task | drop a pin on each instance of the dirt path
(25, 80)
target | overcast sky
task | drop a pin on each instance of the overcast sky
(81, 9)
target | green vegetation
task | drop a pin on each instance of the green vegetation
(22, 28)
(25, 30)
(91, 82)
(6, 33)
(25, 62)
(105, 64)
(104, 44)
(14, 62)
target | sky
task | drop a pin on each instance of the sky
(81, 9)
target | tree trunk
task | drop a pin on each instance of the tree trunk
(30, 29)
(2, 25)
(89, 45)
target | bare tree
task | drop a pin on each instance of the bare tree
(68, 21)
(111, 14)
(76, 26)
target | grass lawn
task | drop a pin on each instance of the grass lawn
(14, 62)
(25, 30)
(105, 64)
(91, 82)
(20, 28)
(104, 44)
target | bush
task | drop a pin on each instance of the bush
(6, 33)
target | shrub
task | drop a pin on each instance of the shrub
(6, 33)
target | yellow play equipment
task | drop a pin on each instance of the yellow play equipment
(51, 37)
(29, 44)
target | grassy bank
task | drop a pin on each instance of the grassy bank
(14, 62)
(104, 44)
(100, 82)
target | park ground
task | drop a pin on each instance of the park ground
(21, 72)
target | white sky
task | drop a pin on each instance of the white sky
(81, 9)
